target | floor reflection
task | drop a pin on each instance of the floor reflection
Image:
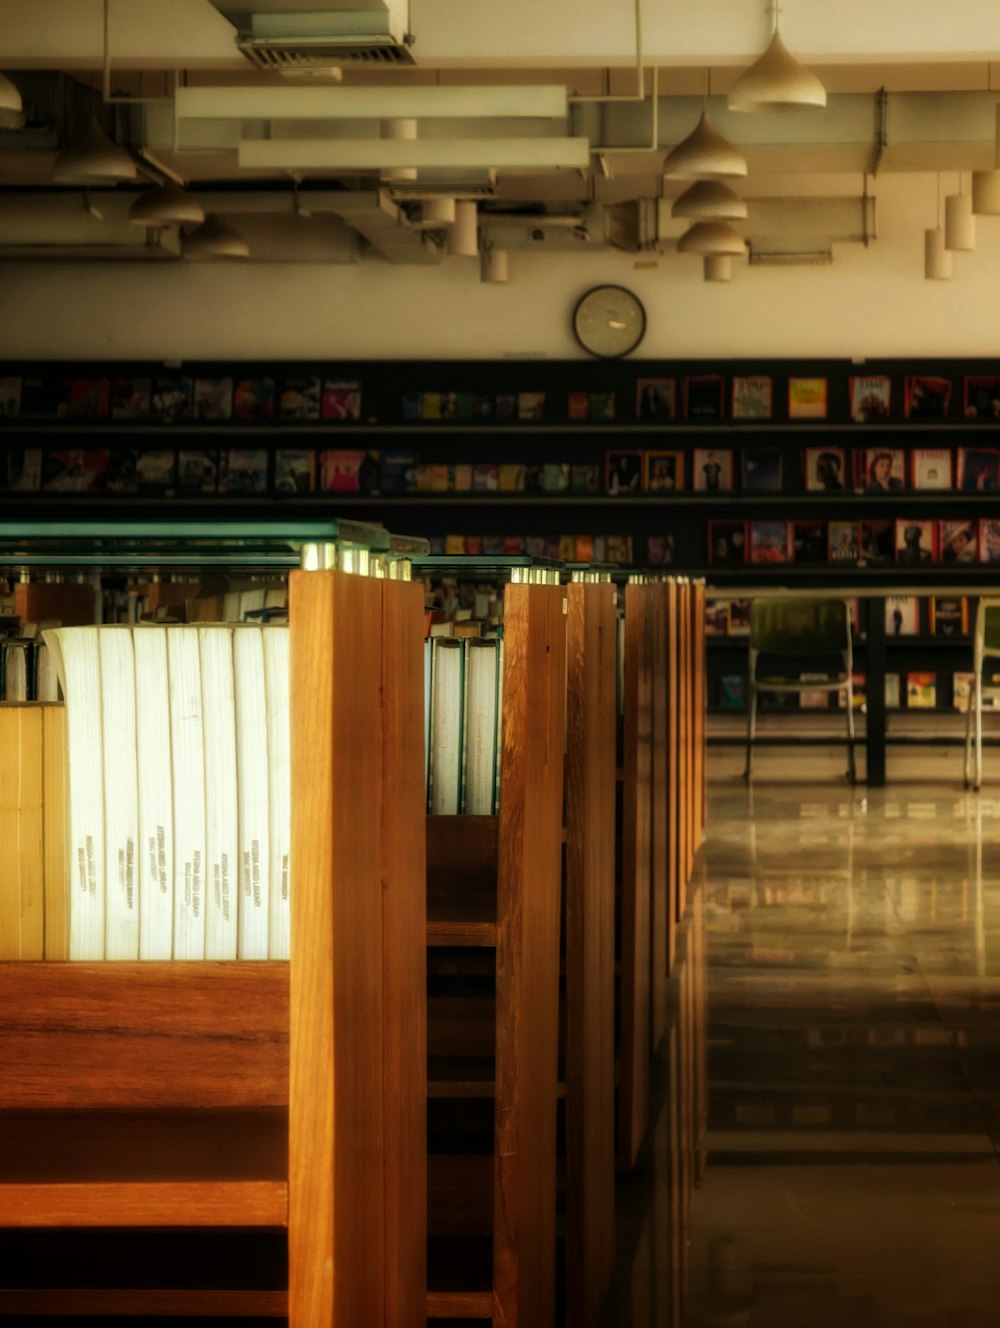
(853, 1024)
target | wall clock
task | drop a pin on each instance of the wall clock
(609, 321)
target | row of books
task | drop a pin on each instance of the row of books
(905, 615)
(171, 398)
(462, 724)
(616, 549)
(178, 790)
(917, 689)
(908, 541)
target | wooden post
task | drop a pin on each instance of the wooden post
(661, 921)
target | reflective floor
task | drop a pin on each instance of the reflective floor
(851, 1172)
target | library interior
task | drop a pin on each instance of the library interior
(498, 779)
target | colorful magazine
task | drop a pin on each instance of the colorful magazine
(727, 542)
(982, 397)
(623, 472)
(703, 397)
(752, 397)
(958, 540)
(825, 469)
(300, 399)
(664, 472)
(655, 398)
(213, 399)
(769, 541)
(761, 470)
(916, 541)
(807, 398)
(869, 397)
(342, 400)
(712, 469)
(930, 468)
(978, 469)
(926, 397)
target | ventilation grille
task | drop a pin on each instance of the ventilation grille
(324, 52)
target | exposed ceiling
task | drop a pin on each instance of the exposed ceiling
(560, 153)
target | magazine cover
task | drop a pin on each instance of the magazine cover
(870, 398)
(511, 477)
(716, 617)
(254, 399)
(930, 468)
(623, 472)
(768, 541)
(752, 398)
(585, 478)
(75, 470)
(38, 398)
(732, 692)
(172, 399)
(342, 401)
(24, 469)
(399, 470)
(660, 550)
(961, 691)
(197, 471)
(902, 615)
(989, 540)
(712, 469)
(213, 399)
(921, 691)
(876, 541)
(10, 397)
(982, 397)
(154, 471)
(131, 398)
(704, 397)
(925, 397)
(243, 470)
(530, 405)
(727, 542)
(761, 469)
(664, 472)
(825, 469)
(958, 540)
(300, 399)
(807, 398)
(978, 469)
(915, 541)
(655, 398)
(121, 473)
(84, 399)
(843, 537)
(885, 470)
(949, 615)
(809, 542)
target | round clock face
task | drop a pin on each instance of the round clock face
(609, 321)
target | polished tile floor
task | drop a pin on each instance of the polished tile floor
(851, 1172)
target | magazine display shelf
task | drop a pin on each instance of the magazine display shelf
(138, 1096)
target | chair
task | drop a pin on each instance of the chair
(799, 645)
(986, 645)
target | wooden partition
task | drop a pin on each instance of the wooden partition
(661, 905)
(700, 709)
(591, 631)
(357, 1103)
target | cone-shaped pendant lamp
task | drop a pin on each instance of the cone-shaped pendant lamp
(709, 200)
(166, 205)
(704, 155)
(776, 81)
(94, 159)
(10, 98)
(493, 266)
(711, 237)
(718, 267)
(214, 238)
(463, 235)
(986, 184)
(937, 259)
(959, 222)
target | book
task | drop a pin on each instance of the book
(716, 617)
(659, 550)
(704, 397)
(154, 471)
(825, 469)
(197, 472)
(948, 615)
(74, 470)
(769, 542)
(243, 470)
(213, 399)
(221, 782)
(807, 398)
(76, 654)
(294, 470)
(921, 690)
(892, 691)
(447, 707)
(300, 399)
(884, 469)
(958, 540)
(84, 399)
(24, 469)
(712, 469)
(254, 850)
(930, 468)
(752, 397)
(531, 405)
(978, 469)
(761, 470)
(585, 477)
(961, 690)
(187, 748)
(154, 793)
(398, 470)
(253, 399)
(843, 542)
(869, 396)
(732, 692)
(172, 399)
(279, 782)
(340, 470)
(511, 477)
(916, 541)
(480, 728)
(902, 615)
(121, 800)
(876, 539)
(989, 540)
(341, 400)
(727, 542)
(663, 472)
(655, 398)
(926, 397)
(10, 396)
(623, 472)
(981, 397)
(131, 398)
(120, 476)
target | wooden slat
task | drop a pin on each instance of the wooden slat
(590, 958)
(211, 1203)
(528, 909)
(673, 772)
(684, 714)
(143, 1035)
(404, 955)
(460, 1305)
(661, 922)
(99, 1303)
(700, 709)
(635, 858)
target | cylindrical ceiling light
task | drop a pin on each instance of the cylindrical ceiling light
(937, 259)
(718, 267)
(776, 81)
(10, 98)
(711, 237)
(494, 267)
(959, 222)
(709, 200)
(463, 234)
(986, 184)
(166, 205)
(214, 238)
(705, 155)
(399, 127)
(94, 159)
(437, 211)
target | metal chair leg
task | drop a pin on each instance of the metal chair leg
(751, 730)
(849, 697)
(973, 700)
(979, 733)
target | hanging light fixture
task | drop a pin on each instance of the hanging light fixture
(398, 127)
(214, 238)
(704, 154)
(709, 200)
(776, 81)
(166, 205)
(986, 184)
(494, 267)
(10, 98)
(94, 159)
(959, 223)
(711, 237)
(463, 234)
(937, 259)
(718, 267)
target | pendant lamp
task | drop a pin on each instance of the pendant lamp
(704, 155)
(959, 222)
(709, 200)
(776, 81)
(986, 184)
(718, 267)
(94, 159)
(214, 238)
(711, 237)
(399, 127)
(463, 236)
(494, 267)
(166, 205)
(937, 259)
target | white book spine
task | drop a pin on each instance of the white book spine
(276, 682)
(188, 751)
(221, 809)
(480, 728)
(446, 726)
(78, 663)
(155, 789)
(251, 761)
(121, 799)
